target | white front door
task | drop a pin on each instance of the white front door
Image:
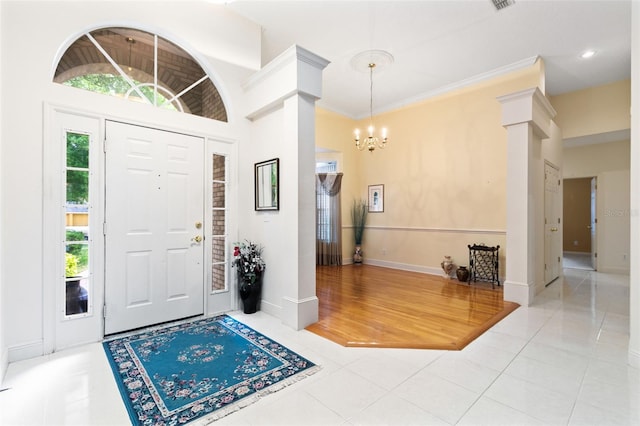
(552, 241)
(154, 208)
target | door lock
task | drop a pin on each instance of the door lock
(197, 238)
(198, 225)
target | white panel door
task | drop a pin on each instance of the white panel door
(153, 248)
(552, 240)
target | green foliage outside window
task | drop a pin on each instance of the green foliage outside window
(115, 85)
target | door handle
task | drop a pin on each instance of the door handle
(553, 229)
(197, 238)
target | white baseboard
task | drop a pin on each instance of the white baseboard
(404, 266)
(4, 364)
(634, 359)
(521, 293)
(299, 313)
(25, 351)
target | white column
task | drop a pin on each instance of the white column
(299, 301)
(527, 117)
(285, 92)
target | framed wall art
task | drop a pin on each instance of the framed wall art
(376, 198)
(267, 181)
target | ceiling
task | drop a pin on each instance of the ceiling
(440, 45)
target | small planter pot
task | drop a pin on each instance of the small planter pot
(463, 274)
(250, 294)
(357, 255)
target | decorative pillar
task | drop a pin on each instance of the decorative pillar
(282, 96)
(526, 115)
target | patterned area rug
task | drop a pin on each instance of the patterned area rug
(202, 370)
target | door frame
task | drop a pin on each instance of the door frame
(551, 226)
(90, 328)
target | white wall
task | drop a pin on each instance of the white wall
(634, 279)
(3, 342)
(28, 90)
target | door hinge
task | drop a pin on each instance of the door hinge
(104, 145)
(595, 220)
(104, 228)
(595, 254)
(104, 311)
(558, 259)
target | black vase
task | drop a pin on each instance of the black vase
(462, 274)
(250, 294)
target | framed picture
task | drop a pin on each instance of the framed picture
(376, 198)
(267, 177)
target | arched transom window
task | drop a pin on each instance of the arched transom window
(141, 67)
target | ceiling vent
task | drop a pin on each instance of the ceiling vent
(501, 4)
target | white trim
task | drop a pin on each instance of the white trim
(521, 293)
(25, 351)
(634, 358)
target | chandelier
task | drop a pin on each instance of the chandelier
(371, 142)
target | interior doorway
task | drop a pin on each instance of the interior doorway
(580, 221)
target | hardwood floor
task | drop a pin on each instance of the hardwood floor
(370, 306)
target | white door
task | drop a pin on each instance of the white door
(552, 242)
(592, 225)
(154, 206)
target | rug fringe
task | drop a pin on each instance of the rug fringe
(245, 402)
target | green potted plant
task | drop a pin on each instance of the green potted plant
(359, 219)
(71, 266)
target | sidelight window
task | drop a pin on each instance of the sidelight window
(77, 232)
(219, 223)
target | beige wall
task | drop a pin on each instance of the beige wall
(590, 160)
(595, 110)
(577, 214)
(444, 175)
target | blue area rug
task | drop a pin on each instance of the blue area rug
(203, 370)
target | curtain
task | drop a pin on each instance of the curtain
(328, 219)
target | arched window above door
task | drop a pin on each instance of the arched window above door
(141, 67)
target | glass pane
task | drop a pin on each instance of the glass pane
(218, 281)
(219, 172)
(77, 57)
(77, 279)
(218, 194)
(84, 66)
(77, 187)
(77, 150)
(218, 250)
(77, 260)
(218, 227)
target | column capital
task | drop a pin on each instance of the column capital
(528, 106)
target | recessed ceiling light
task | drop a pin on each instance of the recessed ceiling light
(587, 54)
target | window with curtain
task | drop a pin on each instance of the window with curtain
(328, 219)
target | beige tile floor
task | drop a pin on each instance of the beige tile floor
(562, 361)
